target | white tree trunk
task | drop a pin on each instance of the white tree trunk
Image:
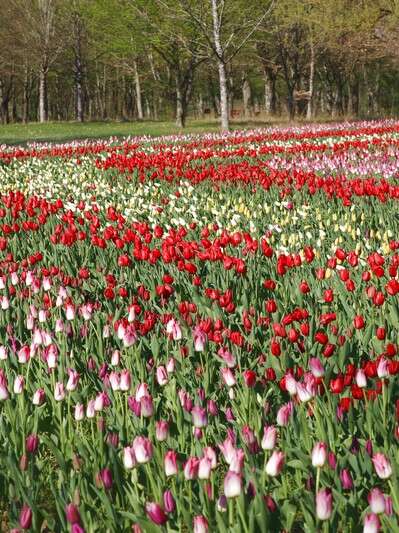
(42, 95)
(309, 110)
(246, 98)
(139, 103)
(224, 107)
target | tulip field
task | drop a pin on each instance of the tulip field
(200, 333)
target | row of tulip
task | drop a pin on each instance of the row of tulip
(192, 337)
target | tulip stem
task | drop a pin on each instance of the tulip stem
(240, 512)
(317, 480)
(230, 503)
(394, 495)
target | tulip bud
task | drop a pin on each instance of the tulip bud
(199, 416)
(232, 484)
(59, 392)
(23, 463)
(269, 438)
(371, 523)
(204, 468)
(382, 465)
(170, 463)
(324, 504)
(169, 502)
(376, 501)
(106, 478)
(319, 454)
(25, 517)
(155, 513)
(129, 459)
(39, 397)
(200, 524)
(161, 430)
(191, 468)
(32, 442)
(19, 384)
(346, 479)
(275, 463)
(142, 448)
(72, 513)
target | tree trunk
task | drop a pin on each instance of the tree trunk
(224, 107)
(180, 118)
(4, 100)
(26, 97)
(246, 98)
(78, 90)
(309, 109)
(137, 85)
(78, 29)
(43, 97)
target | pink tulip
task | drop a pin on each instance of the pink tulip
(237, 461)
(3, 392)
(155, 513)
(106, 478)
(291, 384)
(90, 411)
(228, 377)
(376, 501)
(228, 450)
(72, 514)
(200, 339)
(3, 353)
(200, 524)
(73, 380)
(371, 523)
(116, 355)
(161, 430)
(125, 381)
(141, 391)
(360, 378)
(174, 330)
(319, 454)
(169, 502)
(284, 414)
(191, 468)
(39, 397)
(382, 465)
(162, 376)
(269, 438)
(129, 458)
(275, 464)
(32, 443)
(19, 384)
(304, 393)
(204, 468)
(346, 479)
(232, 484)
(130, 336)
(170, 463)
(25, 517)
(316, 367)
(147, 406)
(324, 504)
(383, 368)
(142, 448)
(199, 417)
(210, 453)
(115, 381)
(79, 412)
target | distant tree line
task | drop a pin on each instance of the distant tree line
(154, 59)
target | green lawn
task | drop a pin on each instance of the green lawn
(67, 131)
